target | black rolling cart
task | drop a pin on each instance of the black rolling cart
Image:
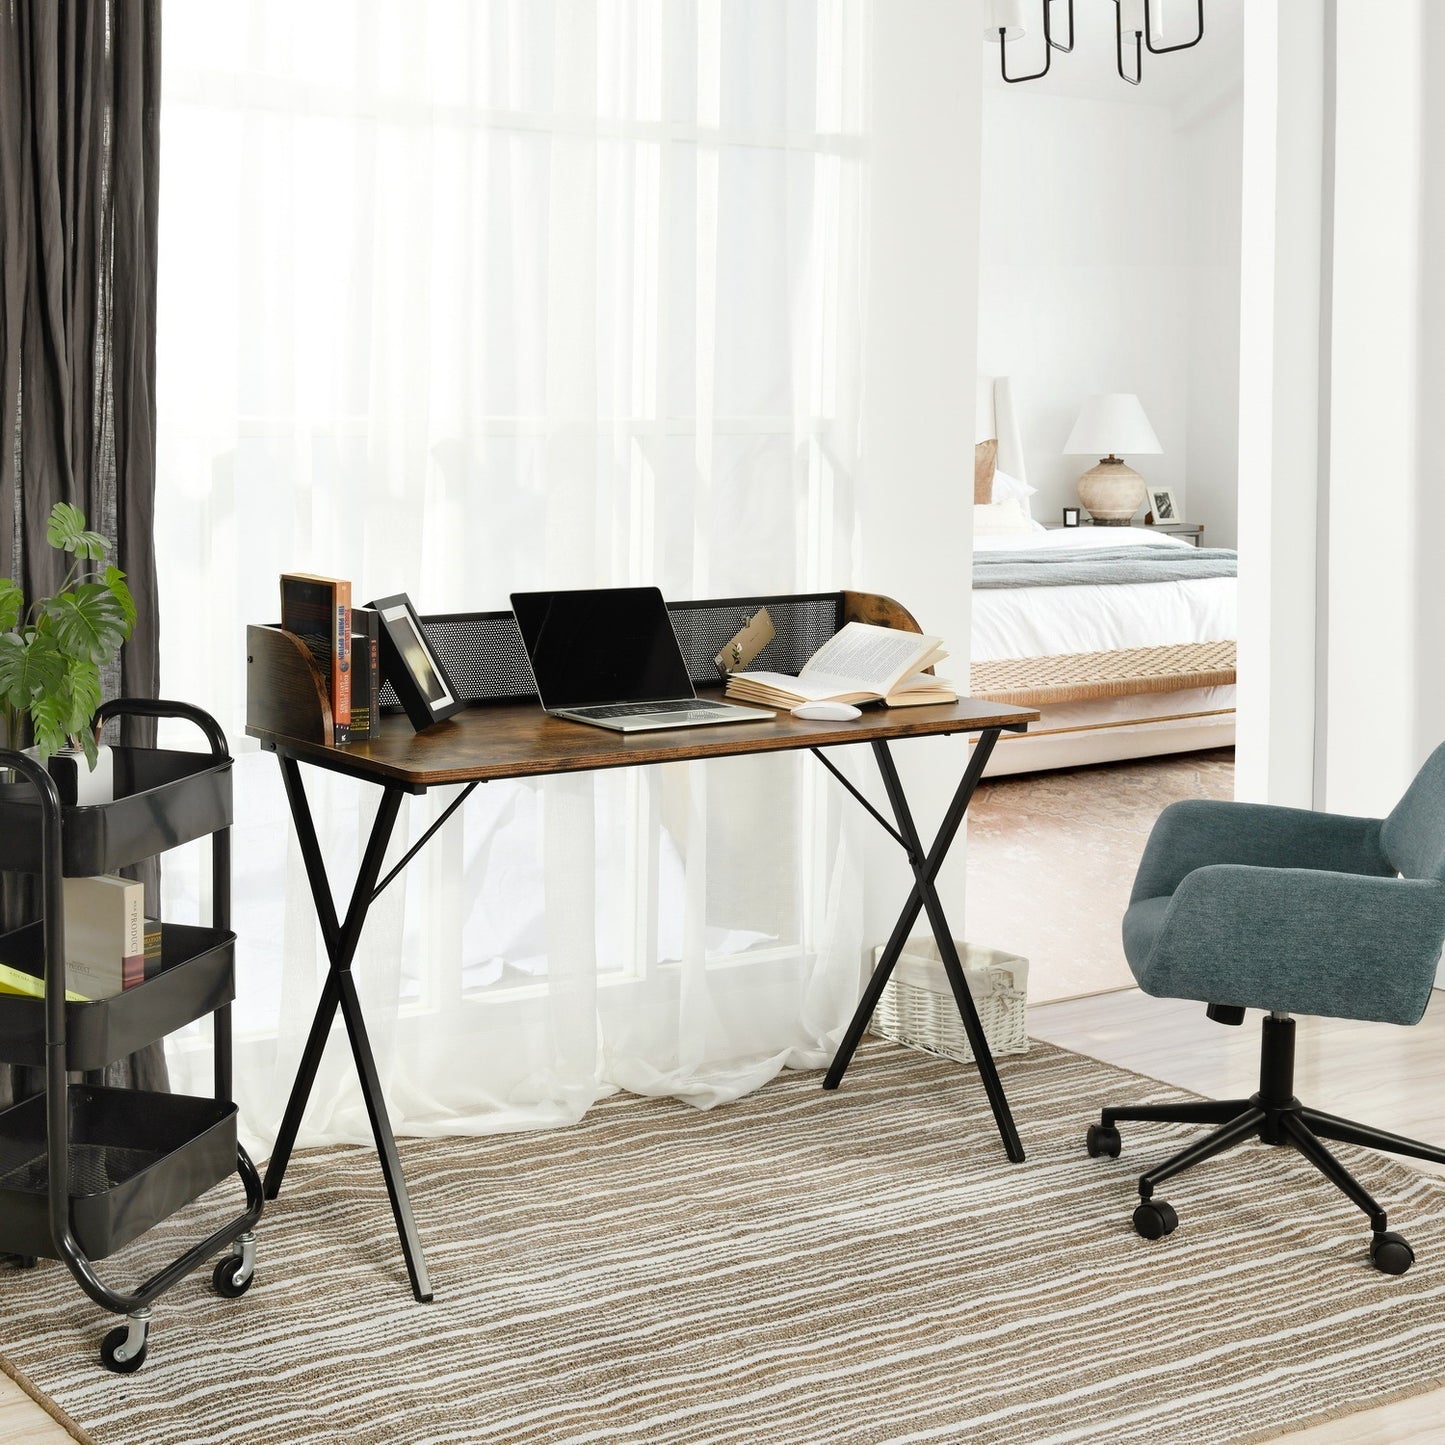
(84, 1168)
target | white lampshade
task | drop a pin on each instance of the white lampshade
(1110, 424)
(1005, 15)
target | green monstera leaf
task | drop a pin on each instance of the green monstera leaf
(89, 622)
(31, 666)
(12, 604)
(115, 580)
(66, 529)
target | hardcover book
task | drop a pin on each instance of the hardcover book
(365, 673)
(318, 611)
(104, 934)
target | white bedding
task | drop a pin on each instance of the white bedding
(1043, 621)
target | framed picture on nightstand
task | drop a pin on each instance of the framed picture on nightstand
(1071, 516)
(1162, 506)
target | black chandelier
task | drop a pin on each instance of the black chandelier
(1009, 27)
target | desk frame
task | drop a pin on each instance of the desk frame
(518, 741)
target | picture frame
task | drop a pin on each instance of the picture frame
(1162, 506)
(410, 664)
(1071, 516)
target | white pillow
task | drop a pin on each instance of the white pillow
(1001, 519)
(1010, 489)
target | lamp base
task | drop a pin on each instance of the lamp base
(1112, 492)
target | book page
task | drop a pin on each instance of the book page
(869, 657)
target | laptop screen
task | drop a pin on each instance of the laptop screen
(601, 645)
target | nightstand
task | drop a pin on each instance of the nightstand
(1187, 531)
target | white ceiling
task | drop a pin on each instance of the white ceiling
(1180, 82)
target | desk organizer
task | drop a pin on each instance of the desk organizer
(917, 1007)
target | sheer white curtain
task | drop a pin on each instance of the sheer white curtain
(463, 297)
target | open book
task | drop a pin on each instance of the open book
(860, 663)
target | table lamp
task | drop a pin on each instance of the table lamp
(1112, 491)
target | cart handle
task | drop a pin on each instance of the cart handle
(157, 707)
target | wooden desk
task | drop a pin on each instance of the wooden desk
(511, 739)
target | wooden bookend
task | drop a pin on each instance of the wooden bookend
(285, 691)
(880, 611)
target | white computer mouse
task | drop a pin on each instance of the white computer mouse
(826, 711)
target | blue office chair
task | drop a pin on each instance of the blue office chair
(1244, 905)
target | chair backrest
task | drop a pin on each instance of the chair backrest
(1413, 836)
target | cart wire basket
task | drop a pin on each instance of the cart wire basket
(917, 1006)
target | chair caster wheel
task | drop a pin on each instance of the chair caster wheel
(1102, 1139)
(224, 1277)
(123, 1350)
(1390, 1254)
(1155, 1218)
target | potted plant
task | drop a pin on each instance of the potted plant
(52, 652)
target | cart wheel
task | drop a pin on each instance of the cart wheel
(114, 1348)
(224, 1277)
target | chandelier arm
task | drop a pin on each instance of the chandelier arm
(1165, 49)
(1138, 74)
(1066, 49)
(1048, 50)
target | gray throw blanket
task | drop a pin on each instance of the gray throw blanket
(1152, 562)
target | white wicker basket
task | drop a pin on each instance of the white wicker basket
(917, 1006)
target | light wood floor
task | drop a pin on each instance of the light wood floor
(1391, 1076)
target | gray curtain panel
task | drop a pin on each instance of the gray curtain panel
(79, 171)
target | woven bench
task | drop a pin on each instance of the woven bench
(1122, 672)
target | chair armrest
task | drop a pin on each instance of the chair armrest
(1302, 941)
(1198, 832)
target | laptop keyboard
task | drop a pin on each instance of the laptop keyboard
(641, 709)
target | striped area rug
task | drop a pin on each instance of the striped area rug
(862, 1266)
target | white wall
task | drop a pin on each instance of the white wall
(915, 530)
(1211, 137)
(1341, 582)
(1109, 261)
(1083, 274)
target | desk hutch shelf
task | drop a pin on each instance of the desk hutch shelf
(86, 1168)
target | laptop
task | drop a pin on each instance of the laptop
(608, 656)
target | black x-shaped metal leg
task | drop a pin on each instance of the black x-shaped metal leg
(925, 897)
(341, 939)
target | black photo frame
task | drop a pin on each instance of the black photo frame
(1071, 516)
(410, 664)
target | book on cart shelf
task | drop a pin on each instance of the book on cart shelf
(110, 945)
(860, 663)
(21, 981)
(318, 611)
(104, 934)
(365, 673)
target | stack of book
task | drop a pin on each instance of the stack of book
(344, 641)
(109, 943)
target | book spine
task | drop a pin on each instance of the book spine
(341, 663)
(318, 611)
(365, 673)
(152, 947)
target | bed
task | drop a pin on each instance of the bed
(1123, 638)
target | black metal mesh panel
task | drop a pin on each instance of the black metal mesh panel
(483, 653)
(802, 624)
(94, 1168)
